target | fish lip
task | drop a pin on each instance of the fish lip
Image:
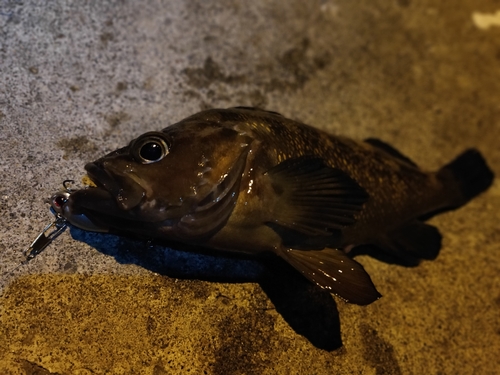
(127, 191)
(102, 178)
(96, 210)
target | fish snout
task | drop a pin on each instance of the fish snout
(122, 185)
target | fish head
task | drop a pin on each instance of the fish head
(181, 179)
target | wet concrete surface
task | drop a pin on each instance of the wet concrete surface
(81, 79)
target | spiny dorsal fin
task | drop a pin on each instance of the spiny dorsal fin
(390, 150)
(313, 198)
(333, 270)
(257, 109)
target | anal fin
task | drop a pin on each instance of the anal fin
(417, 239)
(335, 271)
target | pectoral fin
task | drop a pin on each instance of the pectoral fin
(335, 271)
(313, 198)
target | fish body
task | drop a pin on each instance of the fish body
(252, 181)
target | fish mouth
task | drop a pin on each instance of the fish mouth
(123, 188)
(95, 209)
(101, 178)
(105, 205)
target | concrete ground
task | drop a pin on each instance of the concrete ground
(78, 79)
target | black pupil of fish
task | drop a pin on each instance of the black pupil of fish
(151, 151)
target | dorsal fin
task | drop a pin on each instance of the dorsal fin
(258, 109)
(390, 150)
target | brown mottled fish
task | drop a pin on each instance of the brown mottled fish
(252, 181)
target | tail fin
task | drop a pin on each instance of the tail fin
(469, 173)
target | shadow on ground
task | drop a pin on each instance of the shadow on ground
(309, 310)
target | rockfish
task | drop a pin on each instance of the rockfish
(252, 181)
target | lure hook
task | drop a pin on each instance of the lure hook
(65, 183)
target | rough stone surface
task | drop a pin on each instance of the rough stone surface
(78, 79)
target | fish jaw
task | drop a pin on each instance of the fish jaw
(95, 209)
(62, 205)
(85, 216)
(126, 188)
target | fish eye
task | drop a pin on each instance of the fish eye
(151, 151)
(150, 148)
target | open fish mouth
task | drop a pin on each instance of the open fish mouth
(95, 209)
(103, 205)
(125, 189)
(101, 178)
(98, 197)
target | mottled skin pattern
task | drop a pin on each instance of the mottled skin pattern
(398, 191)
(251, 181)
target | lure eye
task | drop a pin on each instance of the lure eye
(58, 200)
(150, 148)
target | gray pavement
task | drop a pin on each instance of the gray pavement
(79, 79)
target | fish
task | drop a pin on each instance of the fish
(249, 181)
